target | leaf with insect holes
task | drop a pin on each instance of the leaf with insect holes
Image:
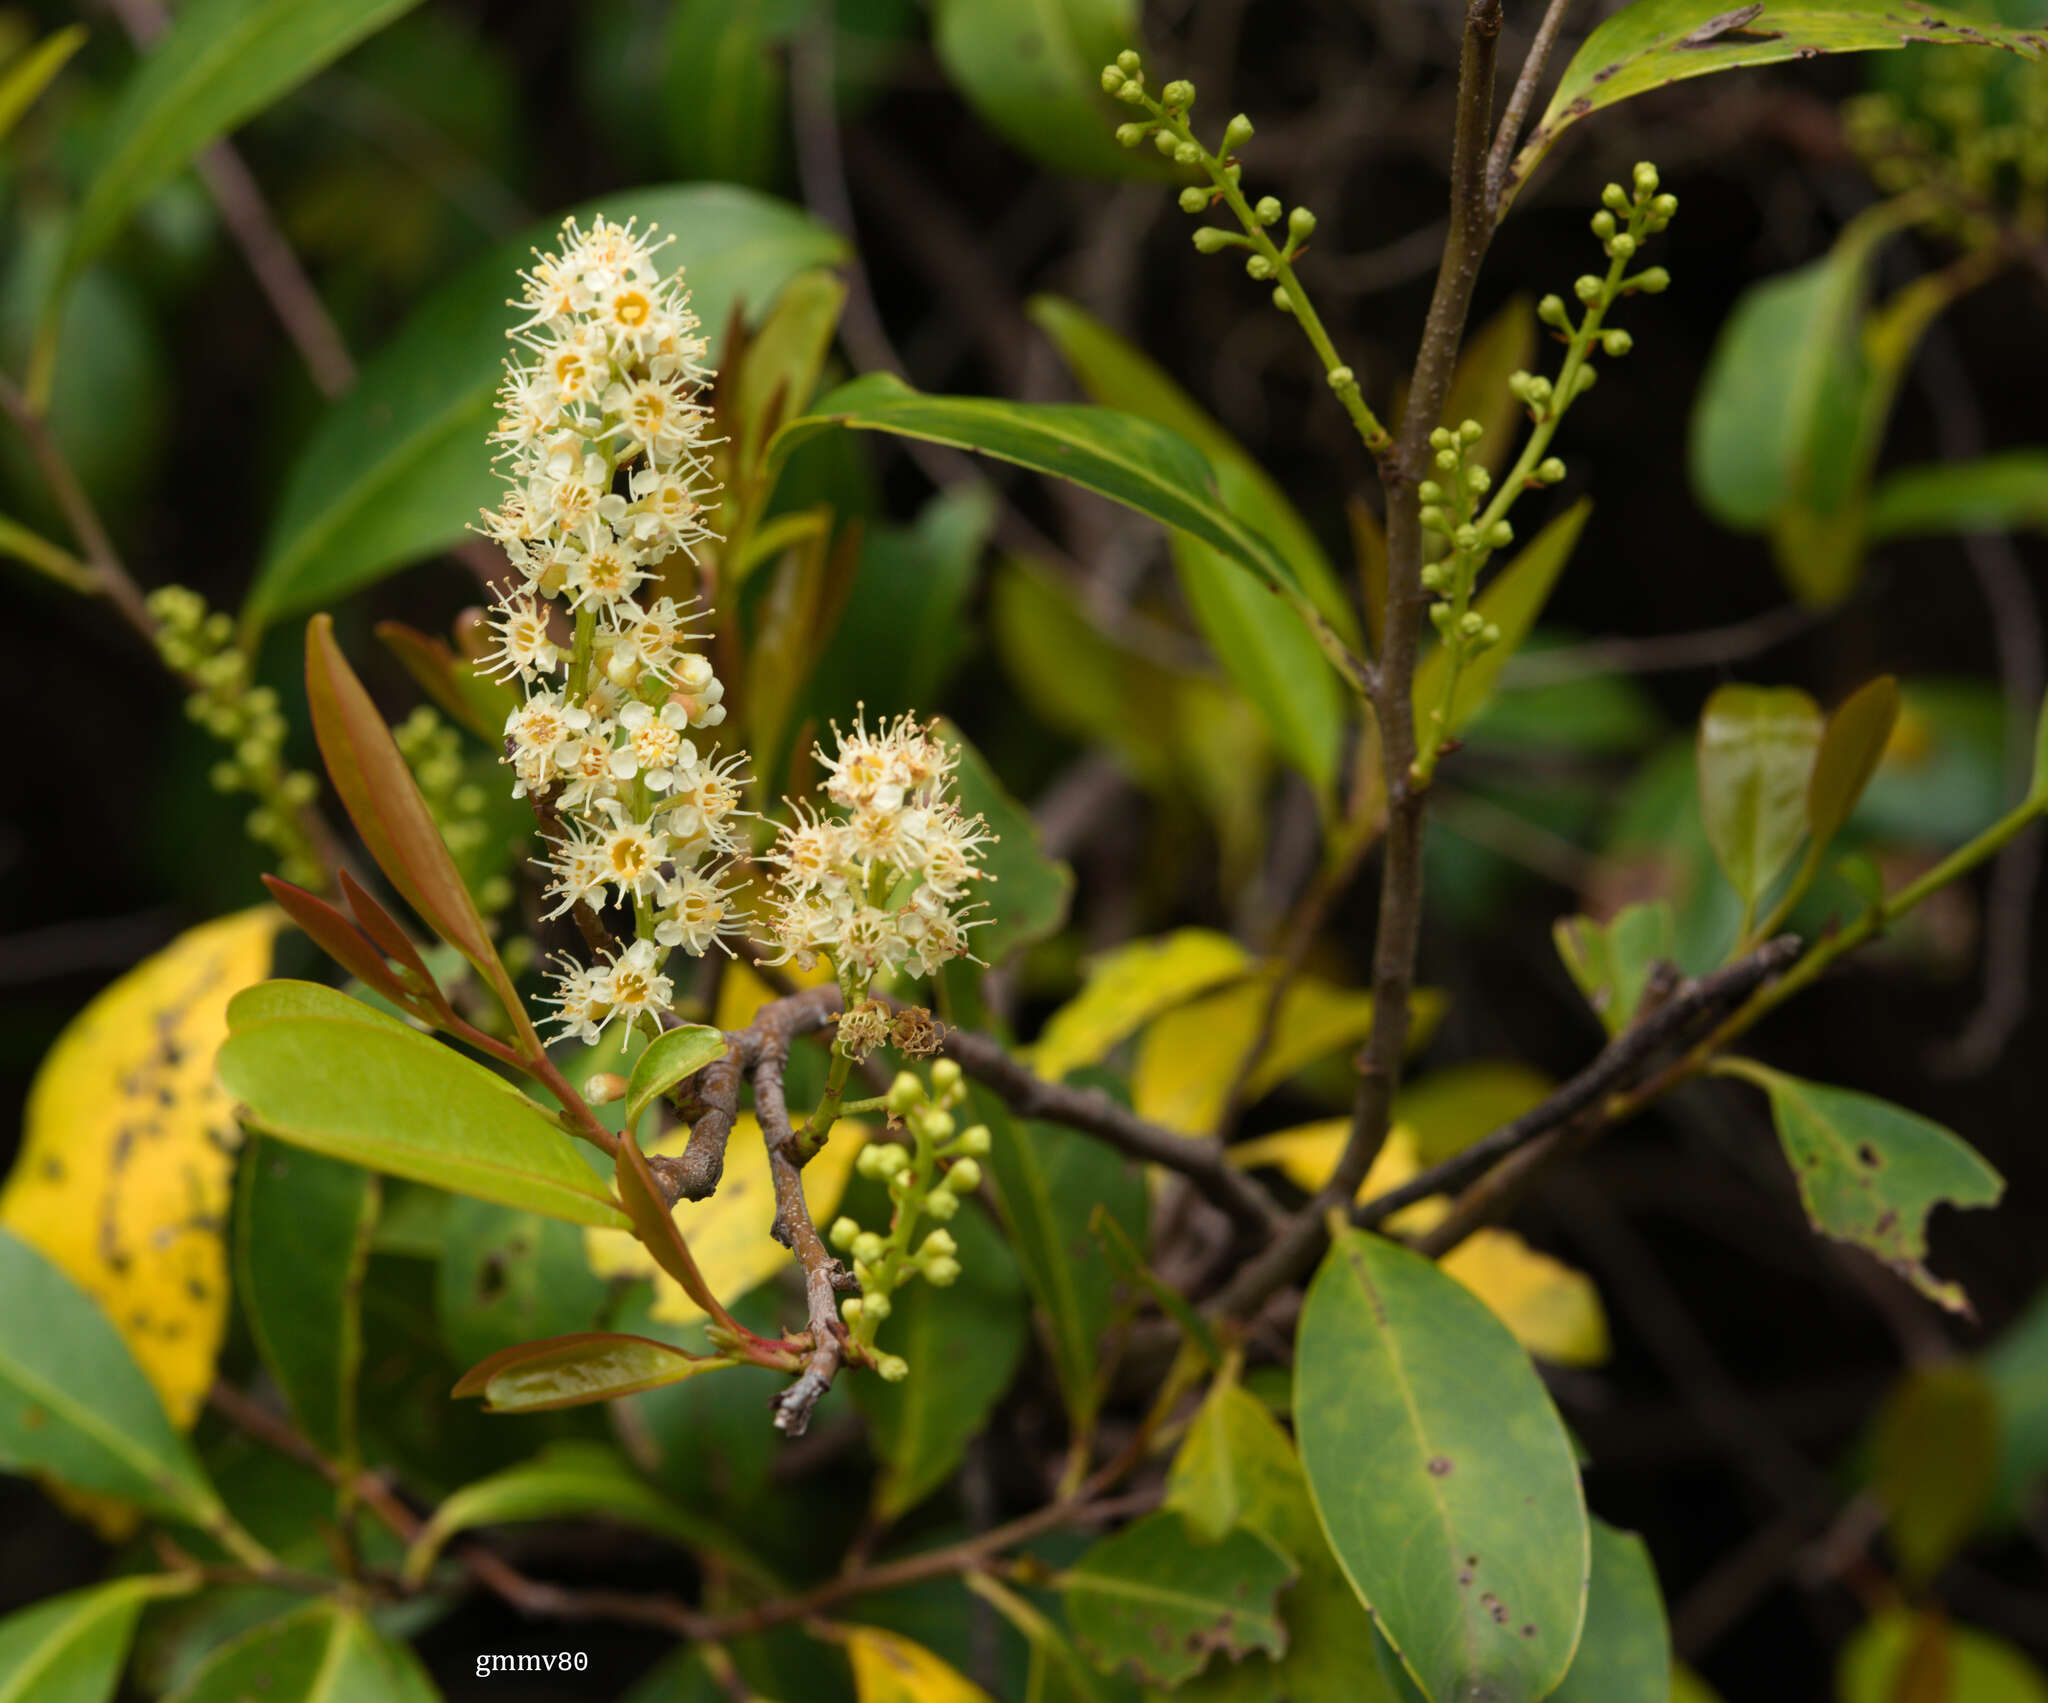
(1870, 1172)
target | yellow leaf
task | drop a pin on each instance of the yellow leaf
(890, 1669)
(1449, 1109)
(728, 1234)
(128, 1151)
(1554, 1311)
(741, 993)
(1128, 987)
(1190, 1056)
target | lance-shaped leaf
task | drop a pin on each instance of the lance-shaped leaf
(1870, 1172)
(1511, 601)
(471, 698)
(29, 76)
(1624, 1655)
(1459, 1521)
(675, 1054)
(1756, 753)
(1651, 43)
(565, 1481)
(339, 938)
(1999, 493)
(376, 787)
(1851, 745)
(302, 1242)
(1127, 987)
(323, 1653)
(1154, 1603)
(572, 1371)
(394, 1101)
(71, 1648)
(654, 1223)
(74, 1404)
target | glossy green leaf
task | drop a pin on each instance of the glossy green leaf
(675, 1054)
(409, 1107)
(1127, 987)
(1459, 1521)
(283, 997)
(1155, 1603)
(1870, 1172)
(1028, 893)
(573, 1371)
(302, 1238)
(1756, 754)
(1232, 1462)
(778, 372)
(71, 1648)
(1651, 43)
(963, 1343)
(1049, 1183)
(34, 71)
(566, 1480)
(1974, 1667)
(1851, 745)
(220, 62)
(1999, 493)
(1120, 456)
(323, 1653)
(399, 468)
(1624, 1654)
(1934, 1463)
(1033, 70)
(1612, 961)
(74, 1404)
(507, 1277)
(1511, 601)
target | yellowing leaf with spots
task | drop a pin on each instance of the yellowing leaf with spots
(728, 1234)
(889, 1669)
(1554, 1311)
(128, 1152)
(1125, 989)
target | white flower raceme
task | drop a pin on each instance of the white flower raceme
(883, 886)
(603, 436)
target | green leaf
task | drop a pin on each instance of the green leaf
(1870, 1172)
(1033, 70)
(1120, 456)
(283, 997)
(506, 1277)
(567, 1480)
(677, 1053)
(1234, 1460)
(1049, 1182)
(1612, 961)
(29, 76)
(2017, 1367)
(1511, 602)
(1880, 1663)
(399, 468)
(1652, 43)
(71, 1648)
(573, 1371)
(1934, 1464)
(1756, 754)
(963, 1343)
(1459, 1521)
(1999, 493)
(1850, 746)
(409, 1107)
(302, 1238)
(1154, 1603)
(324, 1653)
(1028, 893)
(778, 371)
(220, 62)
(74, 1404)
(1126, 988)
(722, 93)
(1624, 1655)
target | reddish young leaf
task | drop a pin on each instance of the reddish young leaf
(378, 790)
(469, 699)
(655, 1225)
(382, 928)
(339, 938)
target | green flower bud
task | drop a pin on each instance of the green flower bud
(891, 1368)
(1234, 172)
(938, 1244)
(1652, 282)
(1489, 636)
(1441, 438)
(1603, 225)
(1550, 470)
(1470, 432)
(842, 1233)
(1623, 247)
(1429, 491)
(1282, 300)
(1432, 576)
(946, 1074)
(850, 1309)
(942, 1204)
(1646, 180)
(942, 1273)
(1614, 196)
(1447, 460)
(963, 1176)
(1193, 200)
(1477, 480)
(1589, 375)
(1258, 267)
(1178, 93)
(1188, 154)
(1165, 141)
(1133, 92)
(1617, 343)
(1130, 135)
(1466, 537)
(1501, 535)
(1587, 288)
(1213, 239)
(867, 1247)
(1471, 624)
(1435, 520)
(1665, 207)
(1268, 209)
(876, 1306)
(1128, 61)
(604, 1087)
(906, 1091)
(1236, 133)
(1301, 224)
(1112, 79)
(975, 1141)
(1551, 311)
(1343, 379)
(225, 777)
(1441, 616)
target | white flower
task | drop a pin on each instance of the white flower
(633, 853)
(634, 985)
(696, 912)
(655, 749)
(524, 647)
(581, 998)
(602, 570)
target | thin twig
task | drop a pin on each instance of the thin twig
(1710, 647)
(1520, 101)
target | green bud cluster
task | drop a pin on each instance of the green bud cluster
(198, 644)
(1450, 513)
(433, 751)
(926, 1178)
